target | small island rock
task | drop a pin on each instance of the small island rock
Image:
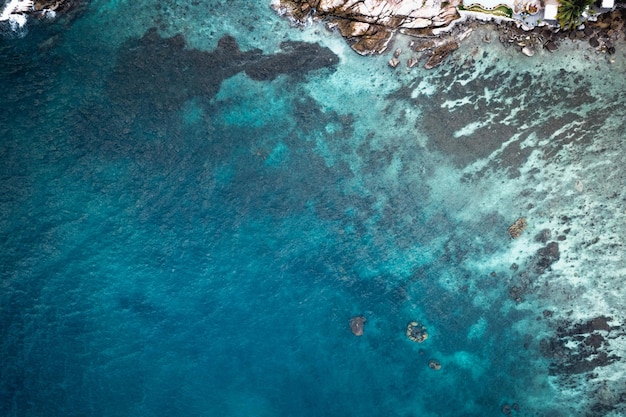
(356, 325)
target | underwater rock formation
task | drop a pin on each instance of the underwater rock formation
(370, 26)
(164, 72)
(546, 256)
(356, 325)
(578, 348)
(416, 332)
(516, 229)
(440, 53)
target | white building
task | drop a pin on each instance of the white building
(608, 4)
(550, 11)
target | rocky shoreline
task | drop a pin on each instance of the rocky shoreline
(436, 29)
(601, 34)
(16, 12)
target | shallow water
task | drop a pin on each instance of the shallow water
(188, 224)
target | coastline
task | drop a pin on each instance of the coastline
(174, 185)
(437, 29)
(16, 13)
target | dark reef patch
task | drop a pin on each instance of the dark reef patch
(296, 60)
(546, 256)
(578, 348)
(524, 279)
(476, 118)
(163, 72)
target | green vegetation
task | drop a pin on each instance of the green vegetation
(570, 12)
(501, 10)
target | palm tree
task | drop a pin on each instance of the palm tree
(570, 12)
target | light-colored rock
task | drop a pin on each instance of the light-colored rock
(528, 50)
(370, 25)
(434, 364)
(579, 186)
(516, 229)
(464, 34)
(394, 62)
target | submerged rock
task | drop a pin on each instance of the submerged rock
(411, 62)
(579, 186)
(434, 364)
(441, 53)
(165, 72)
(416, 332)
(516, 229)
(578, 348)
(543, 236)
(356, 325)
(546, 256)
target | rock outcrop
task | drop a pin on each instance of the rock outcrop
(356, 325)
(370, 25)
(15, 13)
(52, 5)
(516, 229)
(36, 8)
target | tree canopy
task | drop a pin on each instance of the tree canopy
(570, 12)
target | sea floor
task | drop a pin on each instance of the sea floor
(196, 197)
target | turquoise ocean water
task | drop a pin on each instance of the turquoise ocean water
(192, 208)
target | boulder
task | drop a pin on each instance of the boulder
(356, 325)
(551, 46)
(528, 50)
(411, 62)
(441, 53)
(369, 26)
(516, 229)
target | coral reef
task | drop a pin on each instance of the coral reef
(416, 332)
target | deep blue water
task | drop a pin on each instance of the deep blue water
(179, 243)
